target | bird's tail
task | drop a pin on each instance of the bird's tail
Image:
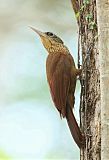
(74, 128)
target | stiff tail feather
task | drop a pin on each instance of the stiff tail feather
(74, 128)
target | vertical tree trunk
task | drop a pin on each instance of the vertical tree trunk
(90, 95)
(103, 32)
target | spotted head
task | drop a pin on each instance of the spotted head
(51, 42)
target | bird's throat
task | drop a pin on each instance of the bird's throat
(54, 47)
(46, 42)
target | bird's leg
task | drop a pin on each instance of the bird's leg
(78, 72)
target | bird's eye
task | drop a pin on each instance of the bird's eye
(49, 34)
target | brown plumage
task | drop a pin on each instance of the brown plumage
(61, 76)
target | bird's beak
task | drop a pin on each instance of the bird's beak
(41, 34)
(44, 38)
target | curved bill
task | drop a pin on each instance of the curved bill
(37, 31)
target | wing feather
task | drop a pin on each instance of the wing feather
(58, 68)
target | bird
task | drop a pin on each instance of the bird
(61, 76)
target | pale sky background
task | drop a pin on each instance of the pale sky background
(30, 126)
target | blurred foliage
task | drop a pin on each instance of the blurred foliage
(4, 156)
(29, 90)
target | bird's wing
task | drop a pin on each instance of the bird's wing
(59, 76)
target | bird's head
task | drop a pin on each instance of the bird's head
(51, 42)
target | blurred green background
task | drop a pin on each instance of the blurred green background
(30, 126)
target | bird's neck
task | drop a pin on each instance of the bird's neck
(58, 48)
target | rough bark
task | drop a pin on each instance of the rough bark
(90, 93)
(103, 32)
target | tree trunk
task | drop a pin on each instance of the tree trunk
(90, 93)
(103, 31)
